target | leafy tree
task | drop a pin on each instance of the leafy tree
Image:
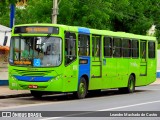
(35, 12)
(93, 14)
(135, 16)
(5, 11)
(130, 16)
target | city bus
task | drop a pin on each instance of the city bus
(54, 58)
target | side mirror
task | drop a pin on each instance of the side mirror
(5, 40)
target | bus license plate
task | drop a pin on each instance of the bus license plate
(33, 86)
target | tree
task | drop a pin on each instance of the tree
(93, 14)
(135, 16)
(35, 12)
(5, 11)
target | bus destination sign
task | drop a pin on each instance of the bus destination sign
(36, 29)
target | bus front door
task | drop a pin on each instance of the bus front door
(143, 60)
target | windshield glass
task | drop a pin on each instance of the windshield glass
(35, 51)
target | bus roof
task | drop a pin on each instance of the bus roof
(94, 31)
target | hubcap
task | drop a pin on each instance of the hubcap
(131, 84)
(82, 88)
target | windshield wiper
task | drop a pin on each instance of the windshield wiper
(48, 36)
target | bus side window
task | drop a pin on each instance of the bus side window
(143, 50)
(83, 45)
(151, 50)
(126, 46)
(117, 47)
(107, 46)
(70, 47)
(135, 48)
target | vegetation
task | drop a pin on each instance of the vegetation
(135, 16)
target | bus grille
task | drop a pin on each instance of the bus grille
(32, 73)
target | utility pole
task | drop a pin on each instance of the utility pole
(12, 14)
(55, 11)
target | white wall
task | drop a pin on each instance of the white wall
(4, 29)
(3, 62)
(2, 34)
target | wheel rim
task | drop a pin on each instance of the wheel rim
(82, 88)
(131, 84)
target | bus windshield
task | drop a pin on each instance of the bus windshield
(35, 51)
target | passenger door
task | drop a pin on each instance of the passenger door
(143, 60)
(96, 60)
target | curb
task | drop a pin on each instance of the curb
(15, 95)
(3, 82)
(158, 74)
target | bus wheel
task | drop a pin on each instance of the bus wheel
(36, 94)
(131, 86)
(82, 89)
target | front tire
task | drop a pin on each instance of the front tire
(82, 89)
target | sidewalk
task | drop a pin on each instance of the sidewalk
(7, 93)
(156, 82)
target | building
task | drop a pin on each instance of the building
(4, 52)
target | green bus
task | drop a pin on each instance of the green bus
(70, 59)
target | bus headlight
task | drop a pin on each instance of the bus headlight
(14, 81)
(57, 77)
(12, 77)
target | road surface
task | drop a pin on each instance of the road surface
(145, 98)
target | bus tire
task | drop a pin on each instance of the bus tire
(131, 84)
(82, 89)
(36, 94)
(130, 87)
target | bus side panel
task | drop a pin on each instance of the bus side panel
(95, 83)
(70, 77)
(107, 73)
(96, 78)
(122, 72)
(134, 68)
(151, 70)
(84, 68)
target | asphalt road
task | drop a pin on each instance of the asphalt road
(145, 100)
